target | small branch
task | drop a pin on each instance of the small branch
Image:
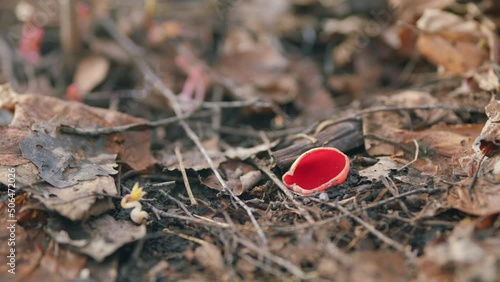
(358, 114)
(474, 177)
(179, 203)
(122, 128)
(417, 152)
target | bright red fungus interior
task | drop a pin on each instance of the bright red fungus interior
(316, 168)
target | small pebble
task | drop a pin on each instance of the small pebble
(324, 196)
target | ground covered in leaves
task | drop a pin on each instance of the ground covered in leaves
(205, 105)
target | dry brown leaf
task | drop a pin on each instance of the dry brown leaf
(258, 68)
(10, 154)
(132, 147)
(28, 250)
(381, 168)
(487, 79)
(378, 266)
(487, 142)
(76, 203)
(493, 111)
(457, 57)
(259, 15)
(99, 237)
(413, 98)
(240, 177)
(63, 265)
(79, 201)
(385, 125)
(210, 257)
(441, 147)
(313, 99)
(460, 257)
(90, 72)
(65, 160)
(448, 25)
(451, 42)
(389, 124)
(485, 197)
(408, 10)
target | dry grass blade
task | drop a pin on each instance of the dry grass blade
(184, 176)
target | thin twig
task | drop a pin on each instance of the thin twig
(161, 184)
(236, 104)
(184, 176)
(391, 187)
(186, 237)
(417, 152)
(179, 203)
(474, 177)
(194, 219)
(122, 128)
(358, 114)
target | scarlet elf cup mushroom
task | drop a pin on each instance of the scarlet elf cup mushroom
(317, 170)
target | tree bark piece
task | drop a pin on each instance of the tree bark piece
(344, 136)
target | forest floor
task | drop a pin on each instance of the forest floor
(215, 121)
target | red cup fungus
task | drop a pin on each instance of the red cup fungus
(317, 170)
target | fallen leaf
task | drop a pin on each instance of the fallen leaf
(76, 203)
(65, 160)
(90, 72)
(493, 110)
(10, 154)
(378, 266)
(79, 201)
(210, 257)
(381, 168)
(408, 10)
(132, 147)
(28, 250)
(313, 99)
(99, 237)
(488, 79)
(384, 125)
(240, 177)
(258, 67)
(462, 256)
(441, 147)
(485, 199)
(63, 265)
(452, 42)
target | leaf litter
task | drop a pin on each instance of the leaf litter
(401, 87)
